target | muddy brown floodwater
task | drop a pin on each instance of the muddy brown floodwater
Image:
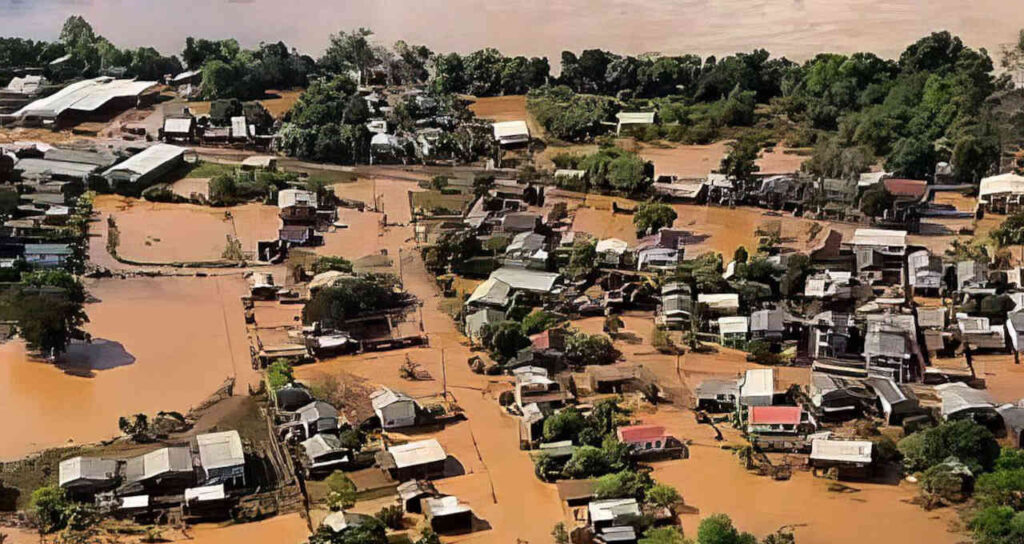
(159, 344)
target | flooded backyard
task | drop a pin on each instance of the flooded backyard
(158, 344)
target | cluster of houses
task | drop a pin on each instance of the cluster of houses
(404, 469)
(203, 478)
(44, 182)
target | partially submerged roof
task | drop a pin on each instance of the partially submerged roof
(444, 506)
(295, 197)
(635, 117)
(758, 382)
(609, 510)
(491, 291)
(321, 444)
(220, 450)
(612, 245)
(417, 453)
(720, 301)
(847, 451)
(640, 433)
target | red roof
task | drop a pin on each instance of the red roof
(641, 433)
(906, 187)
(775, 415)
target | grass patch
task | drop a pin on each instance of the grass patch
(437, 203)
(204, 169)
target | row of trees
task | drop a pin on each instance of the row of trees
(232, 72)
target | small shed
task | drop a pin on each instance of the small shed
(447, 514)
(324, 453)
(611, 512)
(509, 133)
(87, 474)
(318, 417)
(412, 492)
(576, 492)
(394, 408)
(757, 387)
(222, 457)
(165, 469)
(423, 459)
(850, 457)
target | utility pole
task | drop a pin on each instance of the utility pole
(444, 378)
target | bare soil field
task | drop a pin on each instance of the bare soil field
(278, 105)
(12, 135)
(716, 228)
(164, 232)
(507, 108)
(158, 344)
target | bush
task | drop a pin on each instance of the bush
(329, 264)
(590, 349)
(503, 339)
(586, 462)
(391, 516)
(51, 507)
(1002, 487)
(342, 491)
(564, 425)
(351, 297)
(652, 216)
(280, 374)
(623, 484)
(663, 535)
(949, 481)
(663, 496)
(540, 321)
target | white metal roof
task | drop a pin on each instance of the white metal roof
(161, 461)
(205, 493)
(510, 129)
(219, 450)
(239, 128)
(88, 95)
(758, 382)
(868, 179)
(385, 397)
(86, 468)
(417, 453)
(188, 74)
(850, 451)
(528, 280)
(608, 510)
(295, 197)
(1003, 183)
(148, 160)
(879, 237)
(178, 125)
(492, 290)
(733, 325)
(958, 396)
(635, 117)
(135, 501)
(445, 506)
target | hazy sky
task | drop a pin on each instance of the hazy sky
(795, 28)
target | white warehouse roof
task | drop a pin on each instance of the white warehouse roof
(150, 159)
(88, 95)
(417, 453)
(220, 450)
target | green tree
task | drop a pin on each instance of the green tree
(876, 201)
(341, 491)
(590, 349)
(587, 462)
(331, 263)
(503, 339)
(51, 507)
(663, 535)
(559, 535)
(623, 484)
(741, 161)
(370, 531)
(1001, 488)
(540, 321)
(652, 216)
(564, 425)
(913, 158)
(997, 525)
(663, 496)
(135, 427)
(351, 297)
(965, 440)
(583, 259)
(1010, 232)
(718, 529)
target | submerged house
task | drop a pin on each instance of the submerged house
(147, 167)
(165, 469)
(421, 460)
(849, 457)
(757, 387)
(324, 453)
(447, 515)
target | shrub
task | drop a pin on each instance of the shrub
(342, 491)
(51, 507)
(280, 374)
(623, 484)
(391, 516)
(969, 442)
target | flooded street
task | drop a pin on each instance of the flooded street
(797, 29)
(159, 344)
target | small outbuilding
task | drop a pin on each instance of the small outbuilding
(222, 458)
(394, 408)
(447, 514)
(423, 460)
(850, 457)
(87, 474)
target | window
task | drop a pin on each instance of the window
(647, 446)
(657, 444)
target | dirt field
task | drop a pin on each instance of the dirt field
(277, 106)
(722, 229)
(686, 161)
(159, 344)
(163, 232)
(507, 108)
(11, 135)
